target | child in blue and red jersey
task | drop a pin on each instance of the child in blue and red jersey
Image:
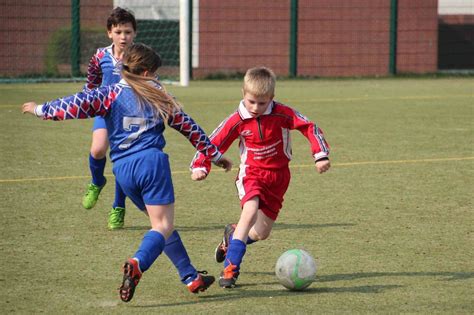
(104, 69)
(262, 126)
(135, 111)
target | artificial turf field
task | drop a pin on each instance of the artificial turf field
(390, 225)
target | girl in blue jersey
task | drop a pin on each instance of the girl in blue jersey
(135, 110)
(104, 69)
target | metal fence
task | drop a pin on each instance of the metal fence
(305, 38)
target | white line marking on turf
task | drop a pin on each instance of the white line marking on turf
(19, 180)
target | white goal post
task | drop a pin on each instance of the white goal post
(184, 43)
(160, 16)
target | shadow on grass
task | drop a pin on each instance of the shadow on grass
(237, 293)
(220, 227)
(244, 290)
(449, 276)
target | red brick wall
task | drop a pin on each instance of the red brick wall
(234, 34)
(26, 27)
(343, 38)
(335, 37)
(417, 45)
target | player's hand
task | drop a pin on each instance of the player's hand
(322, 166)
(224, 163)
(29, 108)
(198, 175)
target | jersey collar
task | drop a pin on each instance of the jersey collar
(244, 113)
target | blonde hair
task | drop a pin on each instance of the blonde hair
(260, 81)
(137, 59)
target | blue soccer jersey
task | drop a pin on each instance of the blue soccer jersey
(130, 130)
(103, 69)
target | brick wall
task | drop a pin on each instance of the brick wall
(343, 38)
(235, 34)
(417, 45)
(335, 37)
(26, 27)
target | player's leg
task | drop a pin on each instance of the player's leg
(260, 231)
(153, 243)
(97, 160)
(153, 168)
(247, 185)
(116, 218)
(196, 281)
(238, 246)
(262, 228)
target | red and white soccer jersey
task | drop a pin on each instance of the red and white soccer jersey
(264, 144)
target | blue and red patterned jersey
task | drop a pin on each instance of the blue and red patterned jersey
(130, 130)
(104, 69)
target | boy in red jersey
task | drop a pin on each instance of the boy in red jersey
(263, 128)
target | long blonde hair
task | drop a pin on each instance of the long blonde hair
(137, 59)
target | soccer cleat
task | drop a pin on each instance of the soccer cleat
(201, 283)
(131, 276)
(116, 218)
(228, 276)
(92, 195)
(221, 249)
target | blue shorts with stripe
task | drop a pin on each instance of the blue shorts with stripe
(145, 177)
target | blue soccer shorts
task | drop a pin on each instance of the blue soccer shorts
(145, 177)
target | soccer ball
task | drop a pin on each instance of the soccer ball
(295, 269)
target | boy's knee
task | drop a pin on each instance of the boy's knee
(259, 236)
(98, 153)
(264, 236)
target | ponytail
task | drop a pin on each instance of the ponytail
(150, 93)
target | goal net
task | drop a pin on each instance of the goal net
(158, 27)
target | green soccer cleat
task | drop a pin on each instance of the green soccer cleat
(116, 218)
(92, 195)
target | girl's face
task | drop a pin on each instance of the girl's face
(122, 36)
(256, 105)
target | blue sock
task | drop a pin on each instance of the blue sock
(176, 252)
(235, 253)
(249, 240)
(151, 247)
(119, 196)
(97, 170)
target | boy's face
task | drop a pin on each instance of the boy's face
(256, 105)
(122, 35)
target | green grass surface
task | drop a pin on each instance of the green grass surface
(390, 225)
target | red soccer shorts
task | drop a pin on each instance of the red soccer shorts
(269, 185)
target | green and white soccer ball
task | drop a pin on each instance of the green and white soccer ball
(296, 269)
